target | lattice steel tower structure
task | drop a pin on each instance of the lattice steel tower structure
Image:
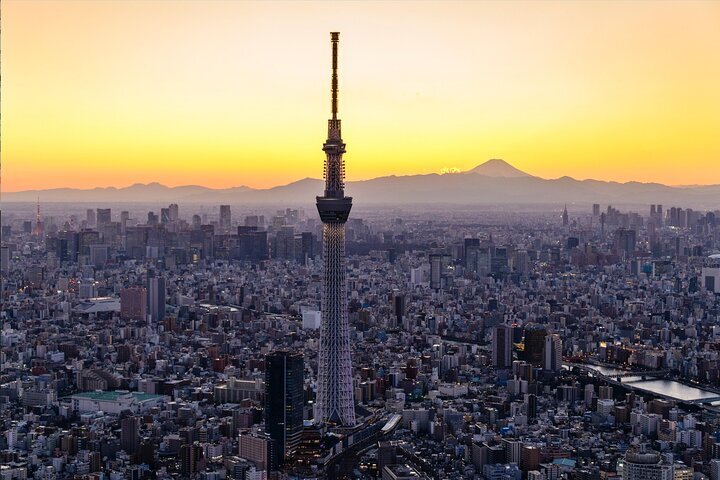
(335, 390)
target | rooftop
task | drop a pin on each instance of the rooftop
(113, 396)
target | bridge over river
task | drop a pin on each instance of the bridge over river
(656, 382)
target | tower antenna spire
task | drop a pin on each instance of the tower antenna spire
(334, 39)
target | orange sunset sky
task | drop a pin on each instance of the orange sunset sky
(228, 93)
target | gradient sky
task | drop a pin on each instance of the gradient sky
(229, 93)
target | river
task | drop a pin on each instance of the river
(668, 388)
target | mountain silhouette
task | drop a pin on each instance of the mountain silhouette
(494, 182)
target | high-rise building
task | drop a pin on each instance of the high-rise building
(285, 243)
(398, 307)
(156, 296)
(225, 219)
(103, 216)
(284, 379)
(90, 217)
(133, 303)
(4, 259)
(565, 218)
(124, 218)
(439, 263)
(534, 343)
(471, 249)
(502, 346)
(335, 403)
(552, 354)
(191, 459)
(174, 212)
(625, 242)
(130, 434)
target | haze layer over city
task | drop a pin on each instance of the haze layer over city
(360, 240)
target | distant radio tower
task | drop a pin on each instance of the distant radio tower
(38, 224)
(335, 391)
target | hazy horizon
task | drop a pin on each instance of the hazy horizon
(268, 187)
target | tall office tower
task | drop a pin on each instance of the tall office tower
(534, 343)
(284, 379)
(552, 355)
(130, 434)
(307, 244)
(90, 216)
(471, 250)
(625, 243)
(225, 217)
(398, 308)
(285, 243)
(565, 218)
(439, 263)
(156, 297)
(335, 390)
(103, 216)
(174, 212)
(124, 218)
(596, 209)
(502, 346)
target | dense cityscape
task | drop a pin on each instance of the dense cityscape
(167, 344)
(346, 340)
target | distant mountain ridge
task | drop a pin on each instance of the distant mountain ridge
(495, 182)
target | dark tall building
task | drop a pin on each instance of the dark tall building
(284, 380)
(307, 242)
(191, 458)
(335, 400)
(130, 434)
(502, 346)
(156, 296)
(398, 307)
(225, 219)
(252, 244)
(534, 343)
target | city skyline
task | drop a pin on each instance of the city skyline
(590, 90)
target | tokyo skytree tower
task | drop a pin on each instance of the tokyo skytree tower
(335, 403)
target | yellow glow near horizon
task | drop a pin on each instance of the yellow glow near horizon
(225, 93)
